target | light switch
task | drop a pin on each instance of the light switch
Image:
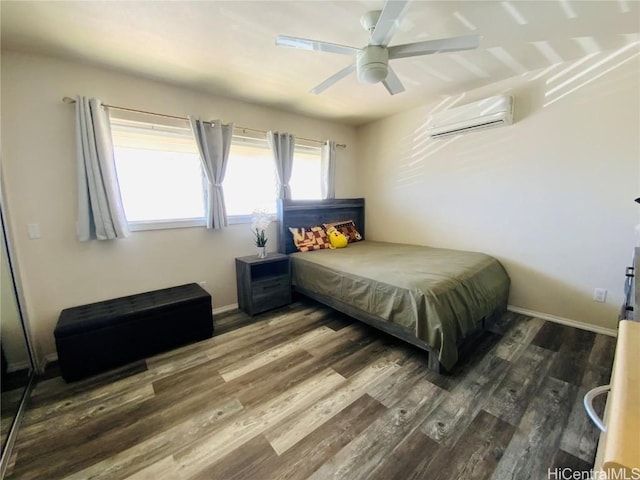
(34, 230)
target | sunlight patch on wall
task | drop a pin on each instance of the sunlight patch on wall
(412, 172)
(547, 51)
(515, 13)
(508, 60)
(464, 20)
(470, 66)
(419, 147)
(588, 44)
(555, 93)
(568, 10)
(542, 73)
(570, 68)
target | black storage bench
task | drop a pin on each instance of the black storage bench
(99, 336)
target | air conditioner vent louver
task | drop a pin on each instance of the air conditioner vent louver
(488, 113)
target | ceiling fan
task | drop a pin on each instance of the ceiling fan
(372, 61)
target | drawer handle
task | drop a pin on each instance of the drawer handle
(588, 405)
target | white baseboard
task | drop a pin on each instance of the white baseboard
(564, 321)
(17, 366)
(225, 308)
(49, 358)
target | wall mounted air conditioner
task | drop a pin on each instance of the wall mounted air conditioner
(490, 112)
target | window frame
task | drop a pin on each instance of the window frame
(154, 123)
(242, 136)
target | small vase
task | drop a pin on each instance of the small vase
(262, 252)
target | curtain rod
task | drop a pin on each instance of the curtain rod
(70, 100)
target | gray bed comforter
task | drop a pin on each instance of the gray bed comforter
(440, 295)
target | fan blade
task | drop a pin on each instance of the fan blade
(388, 22)
(392, 83)
(333, 79)
(306, 44)
(468, 42)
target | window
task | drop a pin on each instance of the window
(161, 179)
(251, 181)
(162, 183)
(306, 175)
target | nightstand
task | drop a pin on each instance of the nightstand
(263, 283)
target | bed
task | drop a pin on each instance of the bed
(433, 298)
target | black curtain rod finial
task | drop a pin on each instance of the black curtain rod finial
(638, 199)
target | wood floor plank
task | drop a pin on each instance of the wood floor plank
(355, 333)
(71, 414)
(569, 466)
(569, 364)
(304, 458)
(226, 356)
(518, 338)
(241, 464)
(409, 459)
(257, 386)
(287, 433)
(239, 368)
(603, 350)
(174, 416)
(209, 449)
(450, 419)
(596, 375)
(164, 469)
(476, 454)
(349, 366)
(580, 435)
(467, 363)
(550, 336)
(159, 448)
(78, 447)
(538, 435)
(132, 422)
(396, 386)
(510, 400)
(366, 452)
(267, 331)
(56, 389)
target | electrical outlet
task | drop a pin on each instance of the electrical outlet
(600, 294)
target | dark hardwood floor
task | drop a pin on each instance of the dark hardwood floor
(304, 392)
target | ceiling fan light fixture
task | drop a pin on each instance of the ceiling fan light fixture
(373, 64)
(373, 73)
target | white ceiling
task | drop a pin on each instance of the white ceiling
(228, 47)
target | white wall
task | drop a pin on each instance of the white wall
(38, 156)
(550, 196)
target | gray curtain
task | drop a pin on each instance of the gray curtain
(214, 142)
(328, 169)
(100, 212)
(282, 145)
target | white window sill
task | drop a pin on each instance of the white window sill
(186, 223)
(166, 224)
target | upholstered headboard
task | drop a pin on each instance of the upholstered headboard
(308, 213)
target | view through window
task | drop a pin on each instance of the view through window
(163, 185)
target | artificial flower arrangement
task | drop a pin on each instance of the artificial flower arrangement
(260, 220)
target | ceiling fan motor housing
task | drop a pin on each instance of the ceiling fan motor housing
(373, 64)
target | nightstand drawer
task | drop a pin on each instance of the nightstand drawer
(266, 302)
(271, 286)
